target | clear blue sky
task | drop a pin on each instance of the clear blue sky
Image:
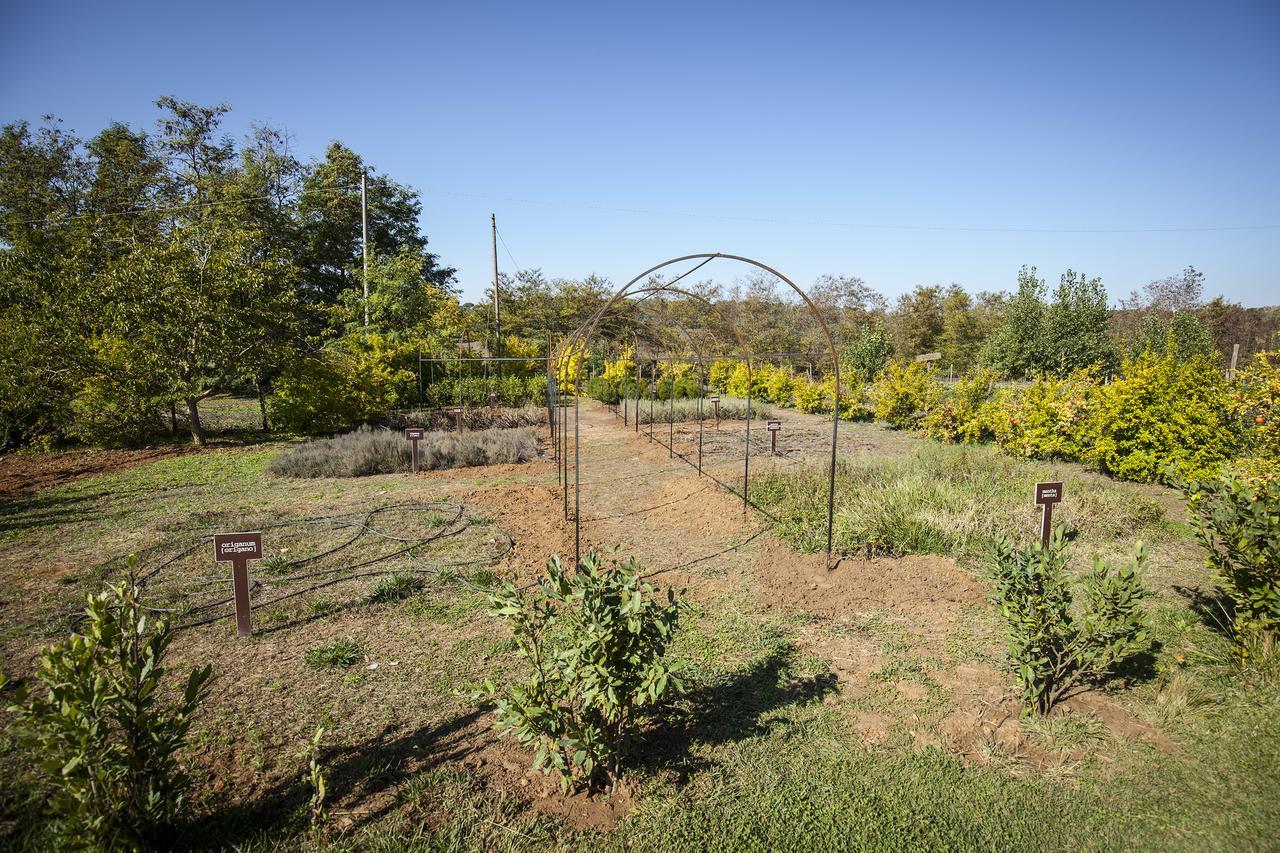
(1081, 116)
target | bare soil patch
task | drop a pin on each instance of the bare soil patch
(929, 588)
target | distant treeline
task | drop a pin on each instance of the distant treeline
(143, 272)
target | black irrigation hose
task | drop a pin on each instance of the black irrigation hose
(452, 526)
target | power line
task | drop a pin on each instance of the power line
(501, 240)
(866, 225)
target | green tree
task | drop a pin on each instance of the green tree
(1014, 349)
(961, 336)
(917, 321)
(1075, 330)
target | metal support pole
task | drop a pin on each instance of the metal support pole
(831, 483)
(577, 516)
(671, 422)
(564, 431)
(699, 430)
(746, 447)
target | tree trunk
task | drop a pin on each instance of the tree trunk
(197, 431)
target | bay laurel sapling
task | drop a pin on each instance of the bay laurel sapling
(100, 730)
(1055, 647)
(595, 641)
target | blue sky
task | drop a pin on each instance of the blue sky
(782, 132)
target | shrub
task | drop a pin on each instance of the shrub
(961, 416)
(1255, 406)
(665, 385)
(1238, 523)
(369, 451)
(688, 388)
(1049, 419)
(101, 733)
(903, 393)
(1051, 648)
(312, 396)
(779, 385)
(596, 643)
(335, 654)
(809, 398)
(718, 375)
(1164, 414)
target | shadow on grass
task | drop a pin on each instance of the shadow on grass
(41, 510)
(367, 774)
(1214, 607)
(729, 709)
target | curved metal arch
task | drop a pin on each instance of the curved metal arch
(581, 338)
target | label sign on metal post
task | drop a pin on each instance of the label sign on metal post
(414, 435)
(1047, 494)
(774, 427)
(457, 417)
(715, 401)
(929, 356)
(239, 549)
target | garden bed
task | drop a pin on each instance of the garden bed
(369, 451)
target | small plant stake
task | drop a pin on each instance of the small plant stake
(414, 435)
(1047, 494)
(457, 417)
(774, 428)
(715, 403)
(239, 549)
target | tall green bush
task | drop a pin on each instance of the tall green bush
(1054, 647)
(596, 642)
(100, 732)
(1238, 523)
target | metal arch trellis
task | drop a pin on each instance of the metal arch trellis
(580, 339)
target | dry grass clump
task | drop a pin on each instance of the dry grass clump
(472, 418)
(369, 451)
(942, 500)
(731, 409)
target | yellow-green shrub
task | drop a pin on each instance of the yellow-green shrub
(1164, 414)
(1049, 418)
(808, 398)
(903, 392)
(779, 383)
(721, 370)
(961, 416)
(1255, 407)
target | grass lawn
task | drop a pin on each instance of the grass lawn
(797, 730)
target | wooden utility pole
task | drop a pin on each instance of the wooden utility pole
(364, 242)
(497, 301)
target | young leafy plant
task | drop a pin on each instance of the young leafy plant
(101, 731)
(1238, 523)
(1054, 647)
(335, 654)
(596, 643)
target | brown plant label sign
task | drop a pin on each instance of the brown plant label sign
(774, 427)
(238, 549)
(413, 435)
(715, 401)
(1047, 494)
